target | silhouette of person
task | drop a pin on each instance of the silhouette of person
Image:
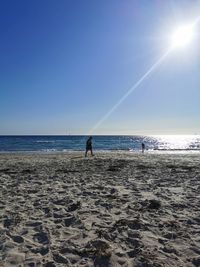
(143, 147)
(89, 146)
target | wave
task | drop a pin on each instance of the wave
(49, 150)
(44, 141)
(53, 141)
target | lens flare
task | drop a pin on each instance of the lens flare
(183, 35)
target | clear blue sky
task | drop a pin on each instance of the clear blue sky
(64, 64)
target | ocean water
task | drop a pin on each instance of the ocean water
(104, 143)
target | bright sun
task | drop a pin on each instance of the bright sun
(182, 36)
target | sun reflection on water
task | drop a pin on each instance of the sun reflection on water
(176, 142)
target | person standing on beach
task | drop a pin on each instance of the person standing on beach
(89, 146)
(143, 147)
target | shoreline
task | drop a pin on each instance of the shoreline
(100, 152)
(113, 209)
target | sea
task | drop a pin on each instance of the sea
(132, 143)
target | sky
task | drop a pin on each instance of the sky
(65, 64)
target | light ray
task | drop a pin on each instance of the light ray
(133, 88)
(137, 84)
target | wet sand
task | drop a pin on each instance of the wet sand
(114, 209)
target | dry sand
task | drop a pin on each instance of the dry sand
(115, 209)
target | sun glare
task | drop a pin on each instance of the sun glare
(182, 36)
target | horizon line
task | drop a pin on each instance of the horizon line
(2, 135)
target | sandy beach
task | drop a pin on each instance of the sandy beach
(114, 209)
